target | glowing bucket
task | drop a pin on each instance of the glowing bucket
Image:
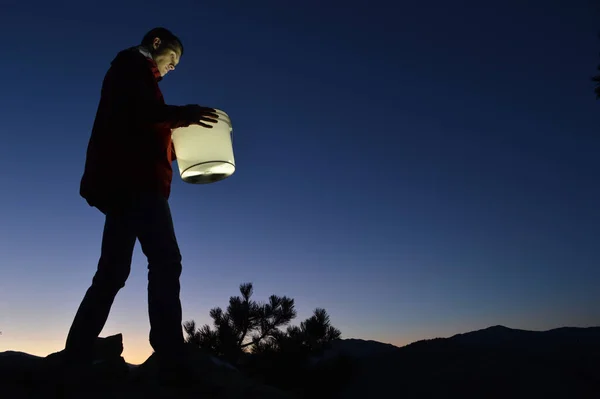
(205, 155)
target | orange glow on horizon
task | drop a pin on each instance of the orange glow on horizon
(135, 351)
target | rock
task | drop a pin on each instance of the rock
(23, 375)
(211, 377)
(105, 348)
(109, 347)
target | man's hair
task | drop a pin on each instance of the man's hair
(167, 38)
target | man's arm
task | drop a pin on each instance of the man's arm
(135, 93)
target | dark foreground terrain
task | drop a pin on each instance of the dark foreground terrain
(496, 362)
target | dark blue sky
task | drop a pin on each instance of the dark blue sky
(419, 169)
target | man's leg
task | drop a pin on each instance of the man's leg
(159, 244)
(118, 241)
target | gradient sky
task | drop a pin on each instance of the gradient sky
(419, 169)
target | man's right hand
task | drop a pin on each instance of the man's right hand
(198, 114)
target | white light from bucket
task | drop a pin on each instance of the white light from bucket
(205, 155)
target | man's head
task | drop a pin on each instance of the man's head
(165, 47)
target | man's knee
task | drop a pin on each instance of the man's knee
(111, 276)
(163, 255)
(165, 265)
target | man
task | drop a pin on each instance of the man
(128, 177)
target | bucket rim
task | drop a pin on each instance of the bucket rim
(223, 116)
(225, 175)
(205, 162)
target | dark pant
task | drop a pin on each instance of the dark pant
(147, 218)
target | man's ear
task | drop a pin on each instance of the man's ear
(156, 43)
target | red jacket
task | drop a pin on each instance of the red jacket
(130, 148)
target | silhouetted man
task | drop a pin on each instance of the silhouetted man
(128, 177)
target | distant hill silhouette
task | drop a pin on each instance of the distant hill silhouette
(495, 362)
(498, 337)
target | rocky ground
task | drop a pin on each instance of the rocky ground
(26, 376)
(496, 362)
